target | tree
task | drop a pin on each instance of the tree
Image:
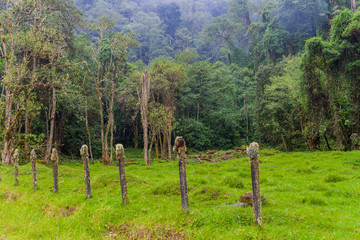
(33, 46)
(144, 96)
(170, 14)
(167, 78)
(109, 57)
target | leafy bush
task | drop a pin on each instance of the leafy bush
(195, 133)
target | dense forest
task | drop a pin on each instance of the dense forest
(220, 73)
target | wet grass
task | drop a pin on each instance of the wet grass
(308, 195)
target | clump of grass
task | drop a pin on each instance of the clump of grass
(166, 190)
(244, 174)
(333, 178)
(317, 201)
(233, 182)
(313, 201)
(304, 171)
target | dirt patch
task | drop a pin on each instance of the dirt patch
(59, 212)
(131, 231)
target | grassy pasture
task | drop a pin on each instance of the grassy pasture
(309, 196)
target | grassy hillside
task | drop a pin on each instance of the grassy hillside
(309, 196)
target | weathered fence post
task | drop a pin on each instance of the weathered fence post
(16, 166)
(85, 157)
(33, 164)
(55, 162)
(180, 149)
(120, 156)
(254, 162)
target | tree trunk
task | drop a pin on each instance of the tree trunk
(88, 130)
(157, 147)
(27, 131)
(8, 145)
(285, 143)
(136, 135)
(163, 147)
(353, 5)
(144, 100)
(169, 144)
(103, 153)
(111, 140)
(52, 127)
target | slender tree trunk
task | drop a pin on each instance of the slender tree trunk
(169, 143)
(327, 143)
(136, 135)
(163, 147)
(27, 131)
(88, 130)
(353, 5)
(111, 140)
(52, 127)
(247, 122)
(8, 145)
(144, 100)
(103, 151)
(157, 147)
(285, 143)
(108, 129)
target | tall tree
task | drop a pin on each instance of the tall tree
(144, 95)
(33, 45)
(109, 58)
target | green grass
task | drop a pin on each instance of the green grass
(311, 196)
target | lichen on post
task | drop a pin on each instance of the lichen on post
(180, 149)
(16, 166)
(34, 172)
(253, 151)
(120, 157)
(85, 157)
(55, 163)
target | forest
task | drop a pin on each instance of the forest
(220, 73)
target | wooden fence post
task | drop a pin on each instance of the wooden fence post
(16, 166)
(33, 164)
(55, 162)
(254, 162)
(85, 157)
(180, 149)
(120, 156)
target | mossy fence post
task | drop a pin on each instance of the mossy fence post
(85, 157)
(16, 166)
(180, 149)
(120, 156)
(33, 164)
(255, 171)
(55, 163)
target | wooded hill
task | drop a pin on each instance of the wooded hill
(219, 73)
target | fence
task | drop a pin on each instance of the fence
(255, 182)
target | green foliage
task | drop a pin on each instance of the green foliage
(196, 134)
